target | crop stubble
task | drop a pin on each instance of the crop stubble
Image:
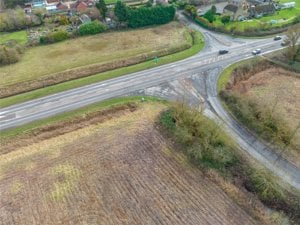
(121, 171)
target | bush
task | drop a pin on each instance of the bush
(9, 55)
(205, 143)
(16, 19)
(263, 183)
(145, 16)
(54, 37)
(94, 27)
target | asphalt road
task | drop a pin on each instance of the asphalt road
(207, 60)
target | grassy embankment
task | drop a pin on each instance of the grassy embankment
(207, 146)
(27, 128)
(196, 43)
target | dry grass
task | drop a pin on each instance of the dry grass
(103, 48)
(118, 171)
(279, 89)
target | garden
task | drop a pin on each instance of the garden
(268, 24)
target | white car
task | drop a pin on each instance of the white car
(256, 51)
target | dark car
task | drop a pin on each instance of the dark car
(222, 52)
(277, 38)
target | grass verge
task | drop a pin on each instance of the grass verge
(82, 112)
(198, 44)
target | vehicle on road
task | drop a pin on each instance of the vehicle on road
(277, 38)
(285, 43)
(222, 52)
(256, 51)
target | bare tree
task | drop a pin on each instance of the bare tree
(292, 37)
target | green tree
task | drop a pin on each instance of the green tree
(209, 16)
(213, 9)
(225, 19)
(121, 11)
(101, 6)
(13, 3)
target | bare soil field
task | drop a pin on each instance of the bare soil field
(120, 170)
(277, 89)
(41, 61)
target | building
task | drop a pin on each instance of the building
(241, 9)
(79, 6)
(62, 7)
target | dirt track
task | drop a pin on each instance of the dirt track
(122, 171)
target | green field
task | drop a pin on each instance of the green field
(103, 48)
(198, 44)
(19, 36)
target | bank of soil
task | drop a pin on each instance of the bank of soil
(278, 89)
(118, 170)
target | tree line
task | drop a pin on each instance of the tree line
(143, 16)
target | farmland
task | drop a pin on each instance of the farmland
(110, 47)
(110, 168)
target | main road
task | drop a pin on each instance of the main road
(208, 59)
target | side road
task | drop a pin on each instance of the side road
(247, 141)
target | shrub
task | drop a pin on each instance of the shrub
(263, 183)
(54, 37)
(94, 27)
(16, 19)
(8, 55)
(209, 15)
(205, 143)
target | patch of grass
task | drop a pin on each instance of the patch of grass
(62, 188)
(198, 44)
(12, 133)
(19, 36)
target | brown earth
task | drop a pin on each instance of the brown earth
(279, 89)
(118, 171)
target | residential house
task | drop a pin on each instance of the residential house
(261, 10)
(241, 9)
(237, 9)
(79, 6)
(62, 7)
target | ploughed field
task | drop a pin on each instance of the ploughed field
(114, 168)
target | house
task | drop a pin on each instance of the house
(79, 6)
(237, 9)
(261, 10)
(62, 7)
(28, 8)
(241, 9)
